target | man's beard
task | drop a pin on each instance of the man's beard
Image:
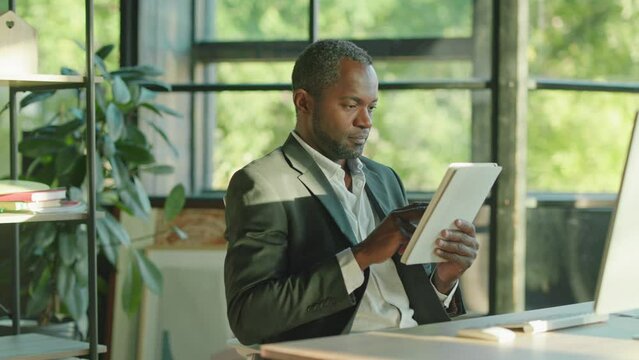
(333, 149)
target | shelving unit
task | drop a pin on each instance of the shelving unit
(14, 218)
(43, 81)
(37, 346)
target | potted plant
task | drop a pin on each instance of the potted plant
(56, 155)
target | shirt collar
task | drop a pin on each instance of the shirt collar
(329, 167)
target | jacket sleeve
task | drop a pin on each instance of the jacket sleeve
(263, 297)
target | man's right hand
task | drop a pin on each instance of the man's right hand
(390, 236)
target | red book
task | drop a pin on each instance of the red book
(38, 195)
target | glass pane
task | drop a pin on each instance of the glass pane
(590, 39)
(577, 141)
(232, 20)
(389, 71)
(418, 133)
(60, 28)
(251, 72)
(563, 252)
(416, 145)
(416, 70)
(174, 147)
(248, 125)
(361, 19)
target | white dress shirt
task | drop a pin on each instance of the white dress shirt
(385, 303)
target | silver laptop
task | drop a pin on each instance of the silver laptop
(617, 288)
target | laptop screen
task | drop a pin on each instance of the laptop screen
(618, 284)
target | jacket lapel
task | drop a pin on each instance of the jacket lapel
(376, 194)
(314, 180)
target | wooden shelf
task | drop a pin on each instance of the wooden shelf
(42, 347)
(43, 81)
(16, 218)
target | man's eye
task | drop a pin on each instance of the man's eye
(371, 108)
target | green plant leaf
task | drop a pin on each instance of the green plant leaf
(108, 197)
(36, 96)
(104, 51)
(65, 160)
(66, 246)
(68, 71)
(134, 90)
(43, 237)
(127, 72)
(115, 121)
(158, 169)
(135, 199)
(155, 85)
(81, 269)
(146, 95)
(160, 109)
(108, 146)
(143, 198)
(40, 292)
(81, 242)
(132, 287)
(174, 202)
(80, 45)
(65, 281)
(151, 107)
(77, 114)
(162, 134)
(77, 302)
(4, 108)
(134, 153)
(102, 66)
(116, 231)
(121, 93)
(75, 193)
(179, 232)
(119, 172)
(77, 174)
(150, 273)
(100, 98)
(167, 110)
(70, 126)
(109, 250)
(40, 146)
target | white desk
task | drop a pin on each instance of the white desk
(609, 340)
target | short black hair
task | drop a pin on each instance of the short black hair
(318, 65)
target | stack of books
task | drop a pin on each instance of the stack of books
(36, 198)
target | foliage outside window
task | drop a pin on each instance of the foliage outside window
(577, 141)
(423, 121)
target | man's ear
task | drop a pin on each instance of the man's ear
(303, 101)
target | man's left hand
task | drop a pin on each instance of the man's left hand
(458, 247)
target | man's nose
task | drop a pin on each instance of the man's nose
(364, 119)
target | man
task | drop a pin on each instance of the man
(315, 229)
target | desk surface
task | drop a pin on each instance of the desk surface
(609, 340)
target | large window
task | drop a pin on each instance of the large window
(231, 73)
(583, 58)
(240, 57)
(577, 136)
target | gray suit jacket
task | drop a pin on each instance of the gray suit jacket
(284, 227)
